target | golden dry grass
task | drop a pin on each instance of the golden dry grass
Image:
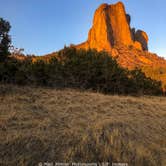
(39, 124)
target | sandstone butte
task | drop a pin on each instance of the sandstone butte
(111, 32)
(111, 28)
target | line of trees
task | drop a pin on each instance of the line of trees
(72, 68)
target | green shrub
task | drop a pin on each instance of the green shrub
(83, 69)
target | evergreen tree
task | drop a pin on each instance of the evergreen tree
(4, 39)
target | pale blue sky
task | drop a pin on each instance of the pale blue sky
(44, 26)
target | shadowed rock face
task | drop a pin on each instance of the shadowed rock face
(142, 37)
(111, 27)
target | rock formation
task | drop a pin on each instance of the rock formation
(111, 27)
(142, 38)
(111, 31)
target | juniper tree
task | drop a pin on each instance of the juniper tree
(4, 39)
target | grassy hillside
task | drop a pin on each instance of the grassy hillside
(38, 125)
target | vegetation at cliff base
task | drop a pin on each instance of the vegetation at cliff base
(72, 68)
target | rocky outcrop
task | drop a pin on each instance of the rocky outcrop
(100, 34)
(111, 27)
(142, 38)
(111, 31)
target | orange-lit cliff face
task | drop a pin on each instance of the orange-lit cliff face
(111, 27)
(111, 32)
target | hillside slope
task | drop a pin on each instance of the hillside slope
(111, 31)
(38, 125)
(151, 64)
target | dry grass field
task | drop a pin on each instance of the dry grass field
(41, 124)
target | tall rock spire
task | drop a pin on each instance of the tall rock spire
(111, 27)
